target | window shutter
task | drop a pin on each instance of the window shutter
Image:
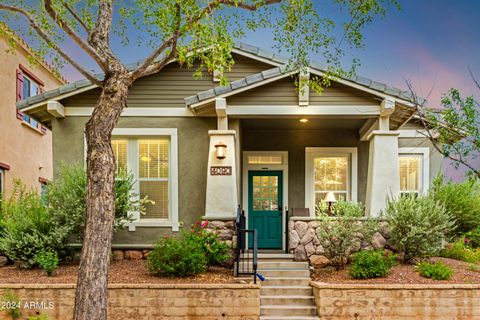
(19, 85)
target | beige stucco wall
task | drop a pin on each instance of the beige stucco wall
(27, 151)
(142, 302)
(397, 301)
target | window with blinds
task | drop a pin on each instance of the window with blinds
(265, 159)
(331, 174)
(409, 166)
(119, 147)
(153, 176)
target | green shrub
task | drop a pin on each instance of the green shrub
(474, 267)
(10, 304)
(216, 251)
(66, 199)
(48, 261)
(39, 317)
(371, 264)
(417, 226)
(341, 208)
(176, 257)
(435, 271)
(29, 229)
(472, 238)
(342, 235)
(459, 251)
(462, 202)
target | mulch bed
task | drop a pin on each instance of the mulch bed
(127, 271)
(403, 274)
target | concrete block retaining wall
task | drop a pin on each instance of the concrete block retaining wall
(144, 301)
(397, 301)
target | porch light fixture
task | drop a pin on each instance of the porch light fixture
(220, 150)
(330, 198)
(303, 120)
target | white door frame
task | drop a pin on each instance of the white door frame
(246, 167)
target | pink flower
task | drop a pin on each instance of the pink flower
(205, 224)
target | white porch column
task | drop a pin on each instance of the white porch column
(222, 200)
(383, 173)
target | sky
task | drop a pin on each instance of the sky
(431, 43)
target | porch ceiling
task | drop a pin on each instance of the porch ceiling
(312, 124)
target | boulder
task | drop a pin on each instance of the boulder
(118, 255)
(378, 241)
(301, 227)
(293, 239)
(383, 229)
(308, 237)
(319, 261)
(299, 254)
(226, 234)
(133, 255)
(216, 224)
(315, 240)
(320, 250)
(309, 249)
(3, 261)
(313, 224)
(291, 225)
(230, 224)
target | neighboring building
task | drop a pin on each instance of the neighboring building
(25, 143)
(198, 149)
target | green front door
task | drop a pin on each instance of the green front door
(265, 207)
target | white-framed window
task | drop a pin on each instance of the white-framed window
(414, 170)
(151, 155)
(330, 169)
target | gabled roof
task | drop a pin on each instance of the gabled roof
(239, 48)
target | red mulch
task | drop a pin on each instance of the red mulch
(404, 274)
(127, 271)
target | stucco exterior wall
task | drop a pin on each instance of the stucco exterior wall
(68, 147)
(295, 142)
(27, 151)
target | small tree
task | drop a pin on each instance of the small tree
(190, 32)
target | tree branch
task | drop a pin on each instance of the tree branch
(246, 6)
(101, 33)
(75, 37)
(87, 74)
(77, 17)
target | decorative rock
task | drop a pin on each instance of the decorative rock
(378, 241)
(313, 224)
(291, 225)
(118, 255)
(228, 243)
(145, 253)
(216, 224)
(293, 239)
(299, 253)
(133, 255)
(308, 237)
(383, 229)
(230, 224)
(315, 240)
(226, 234)
(319, 261)
(301, 227)
(309, 249)
(320, 250)
(3, 261)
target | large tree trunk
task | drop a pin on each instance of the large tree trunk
(91, 292)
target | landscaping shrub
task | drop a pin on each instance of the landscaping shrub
(341, 208)
(417, 226)
(462, 202)
(472, 238)
(459, 251)
(342, 235)
(10, 304)
(48, 261)
(66, 199)
(216, 251)
(29, 229)
(371, 264)
(176, 257)
(435, 271)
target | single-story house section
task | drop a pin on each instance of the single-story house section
(201, 150)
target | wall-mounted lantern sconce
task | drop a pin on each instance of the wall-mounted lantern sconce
(221, 150)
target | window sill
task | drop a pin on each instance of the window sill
(26, 124)
(152, 223)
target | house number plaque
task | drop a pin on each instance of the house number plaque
(221, 171)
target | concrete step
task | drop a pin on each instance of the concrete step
(269, 310)
(278, 257)
(286, 291)
(284, 265)
(287, 273)
(287, 300)
(286, 281)
(288, 318)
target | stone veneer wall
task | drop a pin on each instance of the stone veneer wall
(304, 244)
(147, 301)
(397, 301)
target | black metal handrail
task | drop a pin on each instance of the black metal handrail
(246, 254)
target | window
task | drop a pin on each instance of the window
(30, 87)
(265, 159)
(413, 166)
(151, 156)
(330, 169)
(27, 86)
(43, 192)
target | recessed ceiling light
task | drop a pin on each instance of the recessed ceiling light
(303, 120)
